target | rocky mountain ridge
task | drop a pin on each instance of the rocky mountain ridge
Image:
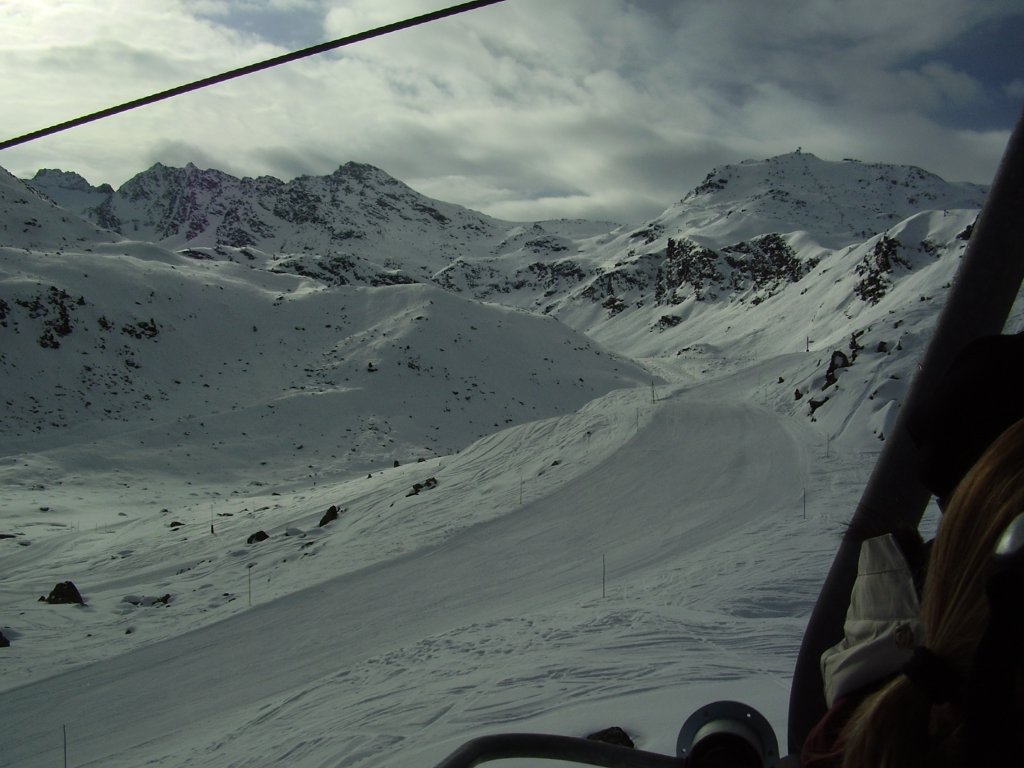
(348, 213)
(777, 257)
(744, 233)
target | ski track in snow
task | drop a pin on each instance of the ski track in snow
(524, 585)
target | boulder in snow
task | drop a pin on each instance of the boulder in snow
(258, 536)
(329, 516)
(426, 485)
(613, 735)
(64, 593)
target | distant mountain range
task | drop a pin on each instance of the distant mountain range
(763, 258)
(734, 235)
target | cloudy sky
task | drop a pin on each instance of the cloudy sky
(528, 109)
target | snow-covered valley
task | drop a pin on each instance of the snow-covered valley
(586, 475)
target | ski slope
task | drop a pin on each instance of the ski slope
(585, 550)
(498, 621)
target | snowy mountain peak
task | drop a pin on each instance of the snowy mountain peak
(364, 173)
(336, 215)
(834, 201)
(161, 179)
(746, 234)
(30, 217)
(54, 177)
(804, 169)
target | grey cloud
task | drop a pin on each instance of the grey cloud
(287, 163)
(532, 109)
(290, 24)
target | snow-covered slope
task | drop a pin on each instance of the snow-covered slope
(585, 475)
(30, 220)
(780, 256)
(131, 354)
(416, 620)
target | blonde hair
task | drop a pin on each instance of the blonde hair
(899, 725)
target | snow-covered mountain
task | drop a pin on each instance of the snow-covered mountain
(355, 212)
(133, 334)
(785, 255)
(497, 410)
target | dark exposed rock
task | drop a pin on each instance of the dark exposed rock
(816, 404)
(669, 321)
(613, 735)
(64, 593)
(876, 268)
(143, 329)
(329, 516)
(4, 642)
(257, 537)
(426, 485)
(765, 262)
(839, 360)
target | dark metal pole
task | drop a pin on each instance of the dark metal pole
(978, 304)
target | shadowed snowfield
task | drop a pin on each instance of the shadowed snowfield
(415, 622)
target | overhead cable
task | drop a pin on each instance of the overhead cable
(250, 69)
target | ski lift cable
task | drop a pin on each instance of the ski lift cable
(250, 69)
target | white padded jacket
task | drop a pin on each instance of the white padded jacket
(882, 623)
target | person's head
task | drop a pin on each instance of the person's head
(900, 725)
